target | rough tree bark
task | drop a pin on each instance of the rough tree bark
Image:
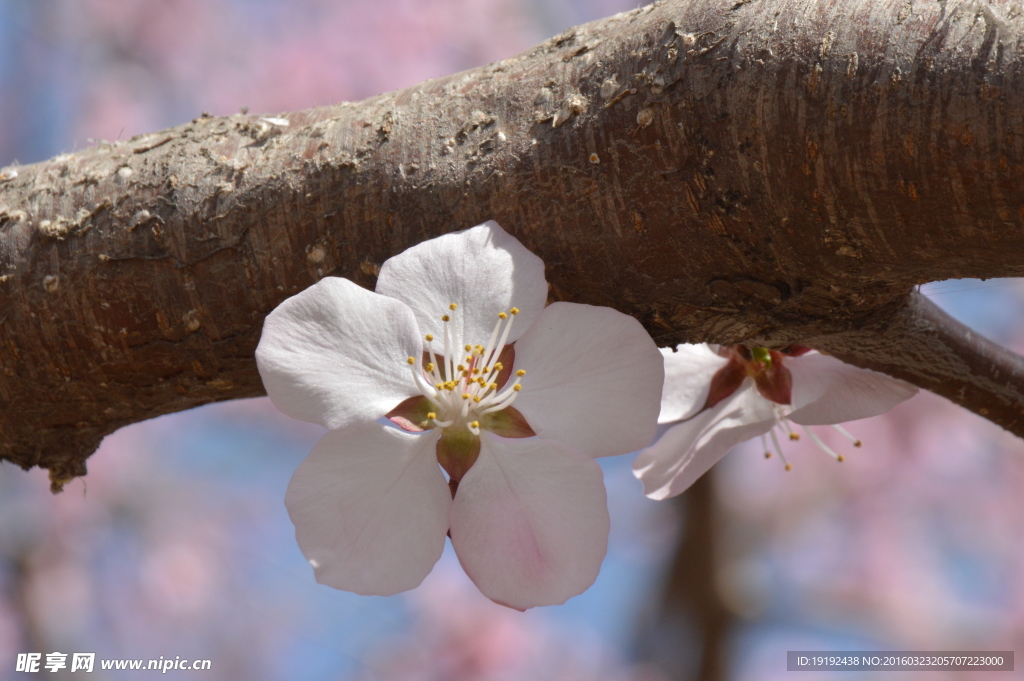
(752, 170)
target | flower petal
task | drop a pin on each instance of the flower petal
(335, 354)
(827, 391)
(370, 507)
(688, 449)
(593, 379)
(530, 521)
(688, 374)
(484, 270)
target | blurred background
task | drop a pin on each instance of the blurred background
(177, 544)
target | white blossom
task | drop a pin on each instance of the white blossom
(457, 333)
(717, 398)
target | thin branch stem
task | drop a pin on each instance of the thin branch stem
(925, 346)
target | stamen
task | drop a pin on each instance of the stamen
(431, 366)
(464, 392)
(824, 446)
(496, 350)
(500, 401)
(848, 436)
(449, 362)
(793, 435)
(425, 388)
(764, 446)
(421, 382)
(778, 448)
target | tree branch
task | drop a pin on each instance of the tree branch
(722, 171)
(925, 346)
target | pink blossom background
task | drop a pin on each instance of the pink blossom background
(178, 544)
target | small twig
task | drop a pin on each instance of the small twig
(923, 345)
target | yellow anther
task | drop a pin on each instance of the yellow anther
(468, 347)
(445, 318)
(430, 366)
(487, 370)
(767, 455)
(514, 310)
(858, 443)
(475, 371)
(431, 416)
(452, 306)
(475, 424)
(789, 466)
(502, 315)
(794, 436)
(465, 374)
(481, 381)
(465, 396)
(461, 367)
(493, 386)
(521, 373)
(498, 366)
(476, 399)
(840, 458)
(411, 360)
(517, 387)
